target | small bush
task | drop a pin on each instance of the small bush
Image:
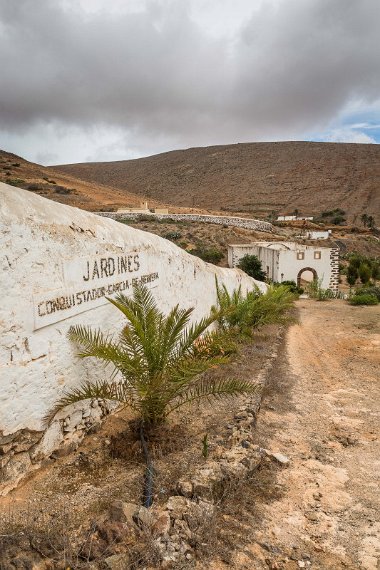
(34, 187)
(363, 299)
(338, 220)
(62, 190)
(371, 290)
(172, 236)
(18, 182)
(316, 292)
(144, 217)
(244, 313)
(292, 286)
(211, 255)
(251, 265)
(364, 273)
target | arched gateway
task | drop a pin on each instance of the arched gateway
(299, 276)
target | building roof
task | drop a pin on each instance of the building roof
(280, 245)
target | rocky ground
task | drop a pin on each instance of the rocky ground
(295, 486)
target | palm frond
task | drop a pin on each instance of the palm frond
(95, 343)
(161, 357)
(190, 335)
(86, 391)
(205, 388)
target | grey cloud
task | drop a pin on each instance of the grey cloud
(294, 64)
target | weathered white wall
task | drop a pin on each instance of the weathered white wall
(290, 266)
(53, 256)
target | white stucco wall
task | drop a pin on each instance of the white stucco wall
(290, 265)
(315, 234)
(51, 257)
(281, 263)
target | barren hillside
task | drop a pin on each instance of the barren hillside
(60, 186)
(255, 177)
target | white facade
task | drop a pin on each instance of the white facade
(289, 261)
(318, 234)
(58, 265)
(293, 218)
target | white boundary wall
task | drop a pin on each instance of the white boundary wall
(57, 265)
(246, 223)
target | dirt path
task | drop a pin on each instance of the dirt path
(322, 412)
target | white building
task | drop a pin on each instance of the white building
(318, 234)
(290, 261)
(293, 218)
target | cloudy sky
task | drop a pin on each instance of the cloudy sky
(115, 79)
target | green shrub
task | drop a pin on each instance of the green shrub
(362, 267)
(364, 273)
(251, 265)
(173, 236)
(363, 299)
(211, 255)
(338, 220)
(255, 309)
(352, 275)
(376, 270)
(342, 269)
(270, 307)
(317, 292)
(292, 286)
(18, 182)
(231, 306)
(371, 290)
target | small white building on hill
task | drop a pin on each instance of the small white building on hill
(290, 261)
(293, 218)
(318, 234)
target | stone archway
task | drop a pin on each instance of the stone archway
(315, 276)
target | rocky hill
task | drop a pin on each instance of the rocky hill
(256, 178)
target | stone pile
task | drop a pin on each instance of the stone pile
(178, 526)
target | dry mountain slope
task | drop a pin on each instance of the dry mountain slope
(255, 177)
(60, 186)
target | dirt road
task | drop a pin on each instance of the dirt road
(322, 411)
